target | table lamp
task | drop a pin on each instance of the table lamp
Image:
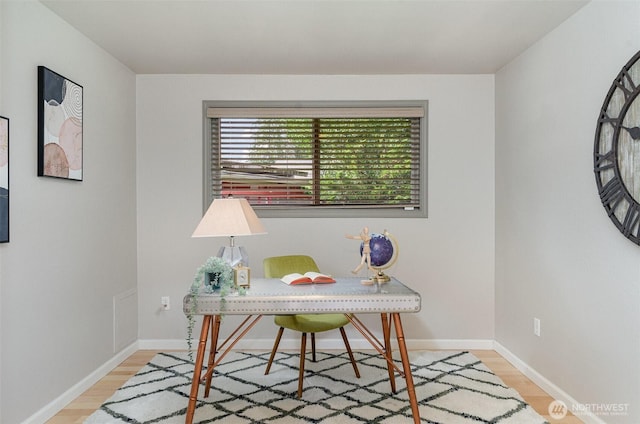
(230, 217)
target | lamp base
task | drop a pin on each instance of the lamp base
(234, 255)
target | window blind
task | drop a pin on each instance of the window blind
(317, 157)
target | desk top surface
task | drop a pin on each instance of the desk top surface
(270, 296)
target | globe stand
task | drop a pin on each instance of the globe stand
(381, 278)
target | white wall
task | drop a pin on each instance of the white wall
(73, 245)
(448, 258)
(558, 256)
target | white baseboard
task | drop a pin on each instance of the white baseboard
(546, 385)
(164, 344)
(63, 400)
(325, 343)
(450, 344)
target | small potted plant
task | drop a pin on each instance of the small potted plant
(214, 276)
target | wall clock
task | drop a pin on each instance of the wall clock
(616, 152)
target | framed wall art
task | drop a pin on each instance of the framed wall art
(4, 179)
(59, 126)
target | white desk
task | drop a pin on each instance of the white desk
(273, 297)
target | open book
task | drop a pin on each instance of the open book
(307, 278)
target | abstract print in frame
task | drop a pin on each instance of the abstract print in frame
(59, 126)
(4, 179)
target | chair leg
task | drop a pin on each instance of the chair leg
(273, 351)
(313, 347)
(303, 348)
(346, 344)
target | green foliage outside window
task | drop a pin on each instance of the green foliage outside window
(351, 161)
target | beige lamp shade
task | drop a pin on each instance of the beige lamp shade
(229, 217)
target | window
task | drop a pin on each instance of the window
(318, 159)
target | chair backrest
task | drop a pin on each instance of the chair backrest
(279, 266)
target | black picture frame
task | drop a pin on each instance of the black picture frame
(60, 126)
(4, 179)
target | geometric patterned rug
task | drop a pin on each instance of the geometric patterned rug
(451, 387)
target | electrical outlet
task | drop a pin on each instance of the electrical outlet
(536, 327)
(166, 303)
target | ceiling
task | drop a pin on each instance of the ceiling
(314, 36)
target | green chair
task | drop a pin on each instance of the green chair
(279, 266)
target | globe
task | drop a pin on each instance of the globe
(383, 254)
(381, 250)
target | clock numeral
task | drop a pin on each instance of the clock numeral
(620, 83)
(612, 194)
(631, 220)
(634, 132)
(604, 161)
(606, 119)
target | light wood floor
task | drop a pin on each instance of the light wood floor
(79, 409)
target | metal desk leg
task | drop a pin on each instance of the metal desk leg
(411, 390)
(234, 338)
(195, 383)
(213, 349)
(386, 331)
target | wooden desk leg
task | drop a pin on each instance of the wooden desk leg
(197, 369)
(411, 390)
(386, 331)
(213, 349)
